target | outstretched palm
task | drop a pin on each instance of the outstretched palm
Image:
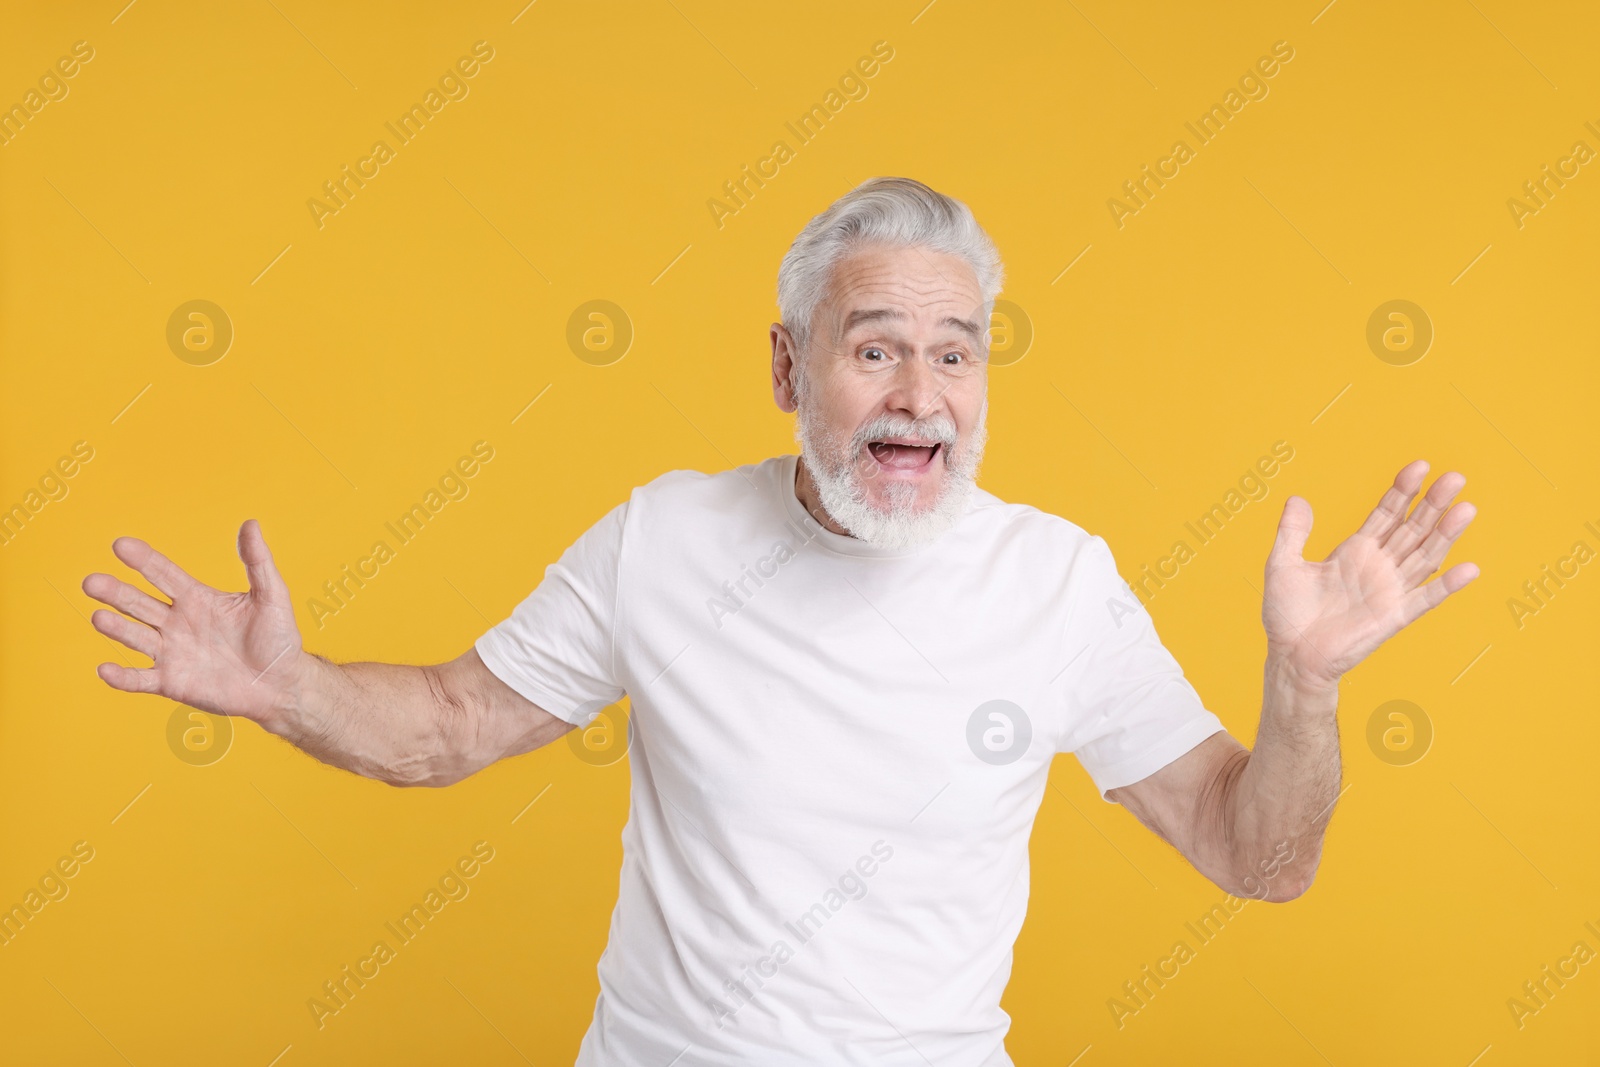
(228, 653)
(1329, 616)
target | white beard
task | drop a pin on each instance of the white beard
(835, 468)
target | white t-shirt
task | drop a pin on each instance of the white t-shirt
(839, 752)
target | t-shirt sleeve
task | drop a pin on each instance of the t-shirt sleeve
(557, 646)
(1131, 711)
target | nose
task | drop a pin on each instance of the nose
(916, 389)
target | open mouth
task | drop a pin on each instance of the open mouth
(904, 454)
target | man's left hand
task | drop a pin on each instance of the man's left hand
(1324, 618)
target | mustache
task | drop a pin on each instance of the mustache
(942, 430)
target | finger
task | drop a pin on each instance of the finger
(1391, 510)
(1433, 504)
(129, 679)
(164, 574)
(127, 599)
(1416, 567)
(1294, 526)
(265, 581)
(1425, 598)
(136, 635)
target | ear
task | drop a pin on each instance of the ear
(783, 360)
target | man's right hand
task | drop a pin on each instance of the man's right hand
(226, 653)
(240, 654)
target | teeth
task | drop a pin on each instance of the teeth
(934, 447)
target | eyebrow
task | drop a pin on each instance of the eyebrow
(866, 315)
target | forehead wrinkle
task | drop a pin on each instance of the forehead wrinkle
(922, 253)
(874, 272)
(930, 262)
(872, 268)
(951, 305)
(870, 282)
(903, 291)
(871, 316)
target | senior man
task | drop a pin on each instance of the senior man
(849, 672)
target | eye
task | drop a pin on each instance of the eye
(865, 352)
(960, 357)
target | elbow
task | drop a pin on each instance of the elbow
(1275, 892)
(420, 772)
(1287, 891)
(1287, 874)
(446, 752)
(436, 777)
(1280, 887)
(423, 782)
(442, 776)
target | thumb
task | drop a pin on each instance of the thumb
(258, 566)
(1293, 529)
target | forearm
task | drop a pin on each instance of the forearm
(400, 724)
(1278, 799)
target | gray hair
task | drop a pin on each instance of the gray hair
(896, 212)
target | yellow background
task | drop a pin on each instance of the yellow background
(426, 315)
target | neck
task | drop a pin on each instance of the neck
(805, 490)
